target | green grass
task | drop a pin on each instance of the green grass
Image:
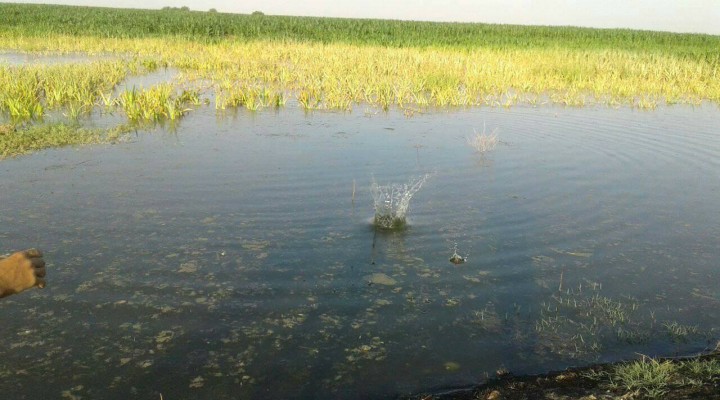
(258, 61)
(27, 92)
(652, 378)
(157, 103)
(648, 376)
(43, 20)
(680, 333)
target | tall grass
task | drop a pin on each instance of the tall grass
(28, 92)
(324, 63)
(45, 20)
(159, 102)
(260, 61)
(338, 76)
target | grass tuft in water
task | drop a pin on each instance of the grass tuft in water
(681, 333)
(483, 142)
(159, 102)
(392, 202)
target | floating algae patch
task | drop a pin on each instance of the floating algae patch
(451, 366)
(380, 279)
(25, 139)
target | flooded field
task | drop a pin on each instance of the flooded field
(12, 58)
(235, 257)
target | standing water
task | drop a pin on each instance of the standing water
(234, 258)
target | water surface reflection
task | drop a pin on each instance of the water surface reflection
(228, 258)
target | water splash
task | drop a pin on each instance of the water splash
(456, 258)
(392, 201)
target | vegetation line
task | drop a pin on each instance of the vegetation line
(24, 20)
(645, 378)
(257, 61)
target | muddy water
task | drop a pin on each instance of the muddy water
(229, 258)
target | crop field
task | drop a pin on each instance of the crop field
(257, 61)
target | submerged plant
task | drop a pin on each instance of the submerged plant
(680, 333)
(16, 140)
(392, 201)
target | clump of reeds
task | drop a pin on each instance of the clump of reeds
(156, 103)
(392, 202)
(235, 94)
(483, 142)
(28, 92)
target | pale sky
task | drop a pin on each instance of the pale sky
(696, 16)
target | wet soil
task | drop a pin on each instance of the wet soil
(570, 384)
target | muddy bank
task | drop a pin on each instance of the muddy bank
(695, 377)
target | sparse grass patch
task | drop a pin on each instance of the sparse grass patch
(679, 332)
(656, 378)
(483, 142)
(647, 376)
(576, 322)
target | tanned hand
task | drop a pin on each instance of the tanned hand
(21, 271)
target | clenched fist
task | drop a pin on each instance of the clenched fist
(21, 271)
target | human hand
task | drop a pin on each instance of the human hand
(21, 271)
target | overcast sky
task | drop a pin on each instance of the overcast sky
(699, 16)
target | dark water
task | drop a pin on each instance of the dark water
(229, 259)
